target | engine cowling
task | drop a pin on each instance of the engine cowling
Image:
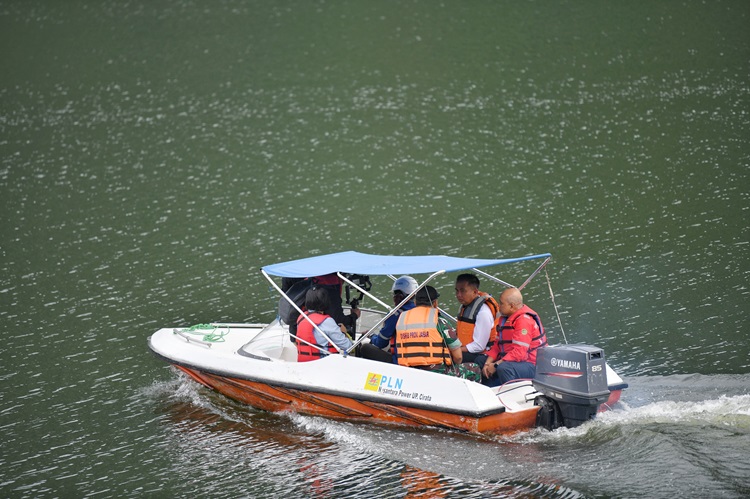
(574, 377)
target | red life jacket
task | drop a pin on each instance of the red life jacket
(305, 331)
(507, 328)
(467, 318)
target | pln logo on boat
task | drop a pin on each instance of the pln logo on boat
(374, 382)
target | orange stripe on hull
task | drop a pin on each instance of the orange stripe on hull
(276, 399)
(614, 397)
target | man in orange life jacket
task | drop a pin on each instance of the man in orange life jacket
(314, 345)
(420, 339)
(521, 334)
(477, 319)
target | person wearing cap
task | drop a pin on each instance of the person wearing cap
(382, 346)
(421, 341)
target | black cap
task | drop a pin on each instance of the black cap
(427, 293)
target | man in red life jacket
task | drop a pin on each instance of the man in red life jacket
(521, 334)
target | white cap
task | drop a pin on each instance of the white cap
(406, 284)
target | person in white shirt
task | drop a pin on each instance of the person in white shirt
(477, 318)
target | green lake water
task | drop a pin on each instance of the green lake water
(154, 155)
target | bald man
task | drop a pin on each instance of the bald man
(521, 334)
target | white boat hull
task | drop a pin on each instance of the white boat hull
(264, 373)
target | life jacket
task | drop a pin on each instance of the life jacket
(305, 352)
(418, 341)
(467, 318)
(507, 326)
(392, 338)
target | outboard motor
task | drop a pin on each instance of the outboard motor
(573, 379)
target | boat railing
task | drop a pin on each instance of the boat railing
(207, 333)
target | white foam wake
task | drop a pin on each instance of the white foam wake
(726, 409)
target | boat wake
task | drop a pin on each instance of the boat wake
(719, 402)
(726, 410)
(178, 390)
(660, 420)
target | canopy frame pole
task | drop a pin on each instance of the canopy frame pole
(443, 312)
(493, 278)
(303, 314)
(395, 309)
(533, 274)
(552, 296)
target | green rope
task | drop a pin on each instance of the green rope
(211, 336)
(200, 326)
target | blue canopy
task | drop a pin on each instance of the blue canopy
(353, 262)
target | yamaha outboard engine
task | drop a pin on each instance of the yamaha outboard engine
(573, 379)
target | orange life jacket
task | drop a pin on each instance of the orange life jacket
(467, 318)
(305, 352)
(418, 341)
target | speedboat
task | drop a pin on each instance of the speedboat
(256, 364)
